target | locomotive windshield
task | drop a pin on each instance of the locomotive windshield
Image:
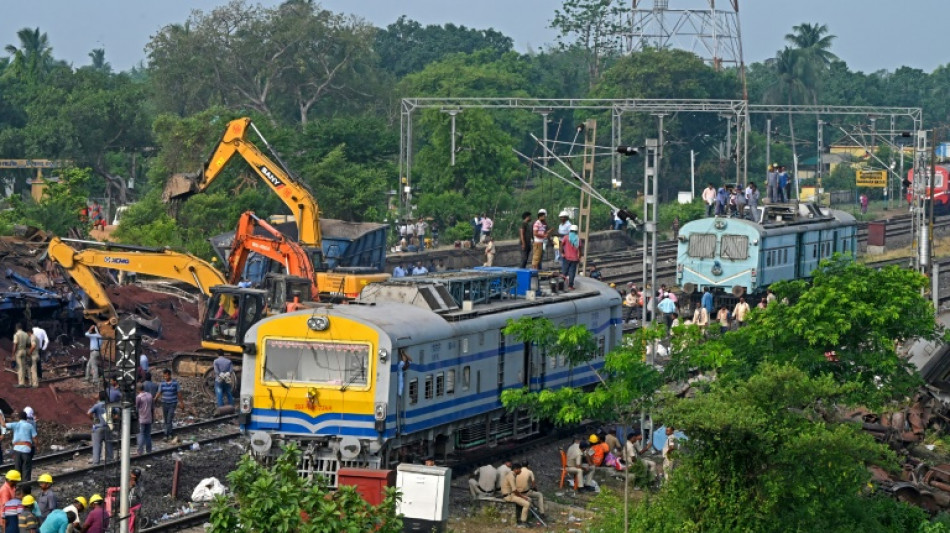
(735, 247)
(316, 362)
(702, 245)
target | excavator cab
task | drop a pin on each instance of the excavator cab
(280, 289)
(231, 311)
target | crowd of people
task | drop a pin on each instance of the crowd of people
(640, 304)
(514, 482)
(27, 511)
(733, 200)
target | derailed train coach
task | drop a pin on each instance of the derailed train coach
(415, 368)
(736, 257)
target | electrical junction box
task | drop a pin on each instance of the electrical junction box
(425, 496)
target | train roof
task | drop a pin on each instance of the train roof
(782, 219)
(409, 323)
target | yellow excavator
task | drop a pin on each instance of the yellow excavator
(228, 314)
(295, 194)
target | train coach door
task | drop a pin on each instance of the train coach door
(531, 376)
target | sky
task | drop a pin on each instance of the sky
(867, 37)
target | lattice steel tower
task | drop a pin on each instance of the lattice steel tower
(695, 25)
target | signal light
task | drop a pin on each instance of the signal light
(628, 150)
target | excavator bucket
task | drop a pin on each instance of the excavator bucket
(180, 186)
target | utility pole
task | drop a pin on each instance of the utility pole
(587, 173)
(820, 165)
(768, 142)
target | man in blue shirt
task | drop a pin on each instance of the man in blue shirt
(100, 429)
(115, 393)
(399, 272)
(223, 379)
(58, 521)
(707, 301)
(24, 439)
(169, 393)
(95, 342)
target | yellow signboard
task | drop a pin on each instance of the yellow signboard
(872, 178)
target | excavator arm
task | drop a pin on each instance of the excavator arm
(162, 263)
(293, 193)
(64, 255)
(277, 247)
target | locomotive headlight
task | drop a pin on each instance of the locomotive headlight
(383, 354)
(245, 404)
(318, 323)
(720, 224)
(380, 414)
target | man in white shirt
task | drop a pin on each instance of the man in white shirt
(483, 482)
(709, 198)
(420, 270)
(740, 312)
(42, 343)
(503, 472)
(487, 225)
(563, 228)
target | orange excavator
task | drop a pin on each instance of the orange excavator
(275, 246)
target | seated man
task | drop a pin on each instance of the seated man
(632, 453)
(509, 491)
(528, 485)
(577, 466)
(598, 451)
(482, 482)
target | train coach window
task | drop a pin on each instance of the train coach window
(785, 256)
(440, 384)
(450, 381)
(429, 389)
(466, 377)
(414, 390)
(735, 247)
(768, 258)
(335, 364)
(702, 245)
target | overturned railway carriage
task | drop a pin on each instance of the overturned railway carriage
(739, 257)
(334, 380)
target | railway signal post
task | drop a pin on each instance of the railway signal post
(127, 345)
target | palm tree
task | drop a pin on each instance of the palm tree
(812, 45)
(99, 63)
(33, 58)
(789, 86)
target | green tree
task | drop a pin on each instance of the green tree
(406, 46)
(762, 457)
(278, 500)
(594, 26)
(99, 63)
(33, 59)
(57, 211)
(851, 310)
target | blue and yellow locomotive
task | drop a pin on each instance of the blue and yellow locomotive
(415, 368)
(743, 257)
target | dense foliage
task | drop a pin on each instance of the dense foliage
(765, 450)
(278, 500)
(324, 87)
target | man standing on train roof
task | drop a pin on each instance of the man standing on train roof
(540, 234)
(563, 228)
(709, 198)
(722, 201)
(752, 195)
(772, 183)
(783, 176)
(783, 186)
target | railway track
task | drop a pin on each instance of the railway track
(45, 461)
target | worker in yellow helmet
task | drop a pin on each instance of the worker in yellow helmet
(76, 508)
(8, 490)
(47, 497)
(27, 520)
(97, 521)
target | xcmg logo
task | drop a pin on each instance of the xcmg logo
(266, 172)
(115, 260)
